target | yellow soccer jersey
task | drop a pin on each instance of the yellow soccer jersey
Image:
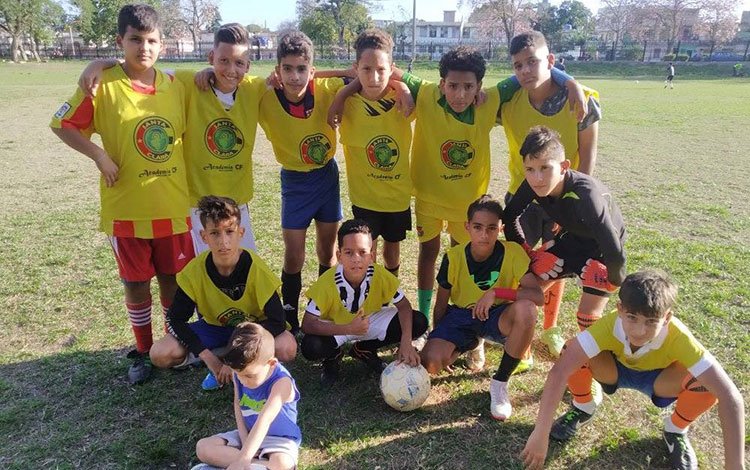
(450, 159)
(301, 144)
(674, 343)
(379, 288)
(141, 131)
(219, 143)
(376, 139)
(465, 292)
(518, 116)
(215, 306)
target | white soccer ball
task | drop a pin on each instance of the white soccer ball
(404, 387)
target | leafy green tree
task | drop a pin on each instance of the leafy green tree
(32, 17)
(97, 20)
(349, 17)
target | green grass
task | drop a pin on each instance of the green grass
(676, 161)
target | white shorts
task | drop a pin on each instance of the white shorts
(379, 322)
(270, 445)
(248, 241)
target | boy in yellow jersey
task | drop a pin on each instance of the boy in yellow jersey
(359, 302)
(486, 291)
(221, 124)
(376, 139)
(139, 114)
(226, 285)
(644, 347)
(540, 101)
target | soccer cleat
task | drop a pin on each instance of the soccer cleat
(553, 339)
(475, 361)
(681, 453)
(500, 406)
(420, 342)
(568, 424)
(596, 392)
(210, 383)
(331, 367)
(191, 360)
(140, 369)
(370, 358)
(524, 365)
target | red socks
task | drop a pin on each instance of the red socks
(140, 320)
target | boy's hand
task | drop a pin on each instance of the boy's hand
(407, 354)
(360, 324)
(481, 310)
(89, 79)
(535, 452)
(108, 169)
(273, 81)
(480, 98)
(241, 464)
(335, 112)
(577, 101)
(205, 79)
(404, 100)
(545, 264)
(596, 276)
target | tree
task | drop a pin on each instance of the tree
(198, 15)
(32, 17)
(253, 28)
(47, 17)
(12, 15)
(509, 17)
(619, 17)
(718, 22)
(97, 19)
(319, 27)
(350, 17)
(671, 14)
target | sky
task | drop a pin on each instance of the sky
(271, 12)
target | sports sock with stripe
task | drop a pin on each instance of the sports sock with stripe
(140, 320)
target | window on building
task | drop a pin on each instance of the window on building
(444, 32)
(433, 32)
(467, 33)
(422, 31)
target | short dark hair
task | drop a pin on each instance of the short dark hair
(485, 203)
(231, 33)
(139, 16)
(542, 142)
(295, 43)
(248, 342)
(650, 293)
(524, 40)
(374, 39)
(352, 226)
(217, 208)
(463, 59)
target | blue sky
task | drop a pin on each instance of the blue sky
(272, 12)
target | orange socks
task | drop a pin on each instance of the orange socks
(586, 320)
(552, 301)
(693, 401)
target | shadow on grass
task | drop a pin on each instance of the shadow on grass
(638, 453)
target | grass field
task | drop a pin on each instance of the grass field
(676, 160)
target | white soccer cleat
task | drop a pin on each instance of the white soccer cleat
(500, 406)
(475, 361)
(420, 342)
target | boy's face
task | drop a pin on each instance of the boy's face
(355, 255)
(484, 228)
(640, 329)
(373, 70)
(231, 63)
(544, 175)
(460, 89)
(140, 48)
(223, 238)
(295, 72)
(256, 372)
(532, 66)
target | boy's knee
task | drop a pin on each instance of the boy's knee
(525, 313)
(166, 352)
(286, 347)
(431, 361)
(312, 347)
(419, 324)
(202, 448)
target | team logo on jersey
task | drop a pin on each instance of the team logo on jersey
(314, 149)
(456, 155)
(154, 139)
(63, 110)
(223, 139)
(382, 153)
(234, 316)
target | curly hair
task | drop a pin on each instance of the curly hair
(542, 142)
(374, 39)
(463, 59)
(295, 43)
(216, 209)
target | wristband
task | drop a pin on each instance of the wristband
(506, 294)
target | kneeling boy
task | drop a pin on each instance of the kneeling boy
(227, 285)
(471, 276)
(358, 302)
(644, 347)
(265, 408)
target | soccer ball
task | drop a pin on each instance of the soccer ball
(404, 387)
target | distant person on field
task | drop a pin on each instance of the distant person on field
(560, 65)
(670, 76)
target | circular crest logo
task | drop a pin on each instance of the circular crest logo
(457, 155)
(314, 149)
(234, 316)
(223, 139)
(154, 139)
(382, 153)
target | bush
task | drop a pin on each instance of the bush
(668, 58)
(682, 57)
(631, 53)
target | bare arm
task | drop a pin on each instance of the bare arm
(731, 414)
(406, 352)
(241, 428)
(336, 73)
(74, 139)
(315, 326)
(336, 110)
(441, 304)
(587, 142)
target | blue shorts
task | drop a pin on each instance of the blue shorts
(641, 380)
(459, 328)
(310, 195)
(212, 336)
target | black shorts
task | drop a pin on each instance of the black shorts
(535, 223)
(575, 251)
(392, 226)
(670, 77)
